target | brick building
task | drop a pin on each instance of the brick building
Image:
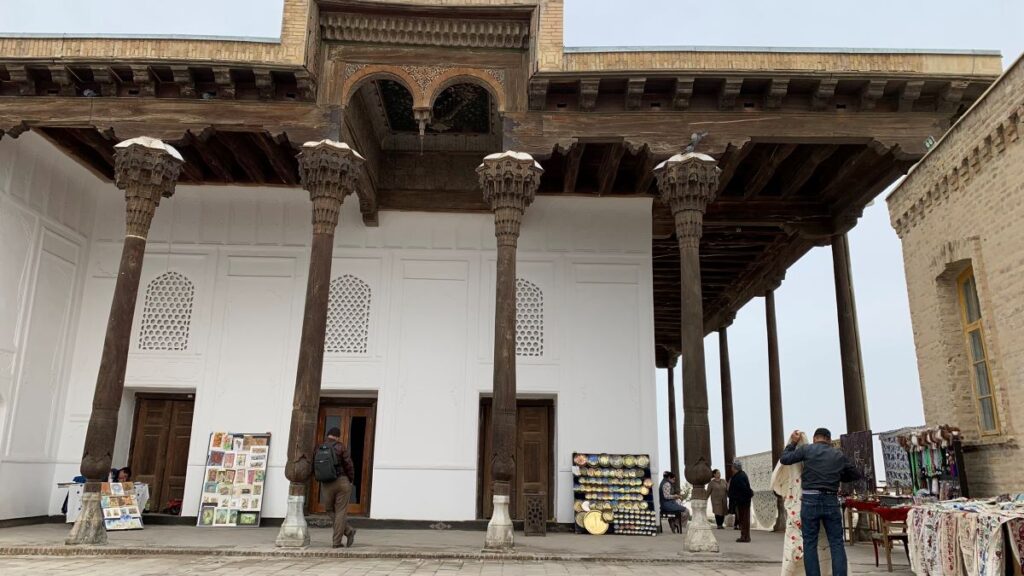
(959, 215)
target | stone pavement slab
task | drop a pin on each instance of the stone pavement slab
(447, 549)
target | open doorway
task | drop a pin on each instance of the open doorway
(356, 419)
(535, 456)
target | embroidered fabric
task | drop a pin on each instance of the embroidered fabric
(785, 482)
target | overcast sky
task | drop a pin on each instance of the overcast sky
(809, 347)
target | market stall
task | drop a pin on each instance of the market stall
(614, 494)
(967, 537)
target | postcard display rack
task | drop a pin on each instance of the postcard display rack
(236, 471)
(120, 506)
(614, 494)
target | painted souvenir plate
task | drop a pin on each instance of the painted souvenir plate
(593, 460)
(629, 461)
(580, 460)
(595, 524)
(648, 482)
(586, 504)
(643, 505)
(604, 460)
(642, 461)
(607, 516)
(577, 506)
(616, 461)
(645, 491)
(579, 519)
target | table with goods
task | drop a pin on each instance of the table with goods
(614, 494)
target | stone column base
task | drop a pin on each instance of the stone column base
(699, 536)
(89, 529)
(499, 529)
(294, 531)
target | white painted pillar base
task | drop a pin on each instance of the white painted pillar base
(699, 536)
(89, 529)
(499, 529)
(294, 531)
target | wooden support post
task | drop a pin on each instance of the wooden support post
(687, 183)
(673, 427)
(509, 181)
(728, 428)
(849, 338)
(329, 172)
(775, 395)
(147, 170)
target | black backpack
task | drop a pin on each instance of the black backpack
(325, 463)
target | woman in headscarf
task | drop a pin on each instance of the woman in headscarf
(786, 483)
(718, 492)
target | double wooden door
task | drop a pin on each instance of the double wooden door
(534, 456)
(160, 443)
(357, 425)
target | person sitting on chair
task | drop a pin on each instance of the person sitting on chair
(672, 502)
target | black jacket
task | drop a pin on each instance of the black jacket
(824, 466)
(740, 493)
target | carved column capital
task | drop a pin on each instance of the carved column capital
(146, 169)
(687, 183)
(329, 171)
(509, 181)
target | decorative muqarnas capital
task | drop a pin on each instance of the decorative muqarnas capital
(329, 171)
(146, 169)
(687, 183)
(509, 181)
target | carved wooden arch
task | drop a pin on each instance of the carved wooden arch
(372, 72)
(455, 76)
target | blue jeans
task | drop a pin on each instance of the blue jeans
(815, 510)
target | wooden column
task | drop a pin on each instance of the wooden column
(673, 427)
(686, 183)
(728, 428)
(146, 169)
(849, 338)
(329, 171)
(509, 181)
(775, 394)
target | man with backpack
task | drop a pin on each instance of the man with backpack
(332, 467)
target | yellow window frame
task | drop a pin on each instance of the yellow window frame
(970, 327)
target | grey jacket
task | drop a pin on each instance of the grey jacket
(824, 466)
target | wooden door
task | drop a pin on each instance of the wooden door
(159, 449)
(534, 456)
(357, 426)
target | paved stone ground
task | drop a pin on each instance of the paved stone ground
(39, 549)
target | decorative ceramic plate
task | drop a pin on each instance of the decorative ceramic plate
(580, 460)
(642, 461)
(604, 460)
(648, 482)
(586, 504)
(579, 519)
(595, 524)
(577, 506)
(645, 491)
(592, 460)
(643, 505)
(616, 461)
(607, 516)
(629, 461)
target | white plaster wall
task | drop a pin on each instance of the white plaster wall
(430, 341)
(46, 212)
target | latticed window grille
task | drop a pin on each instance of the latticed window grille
(529, 319)
(167, 313)
(348, 316)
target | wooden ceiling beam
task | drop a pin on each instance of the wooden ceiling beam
(610, 167)
(284, 166)
(824, 93)
(142, 78)
(730, 161)
(212, 155)
(728, 92)
(245, 153)
(572, 167)
(635, 92)
(776, 93)
(871, 93)
(806, 169)
(588, 90)
(645, 171)
(683, 92)
(766, 169)
(93, 139)
(852, 165)
(910, 94)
